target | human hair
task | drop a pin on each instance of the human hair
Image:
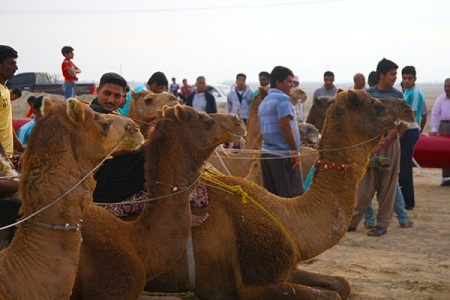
(31, 99)
(372, 79)
(241, 75)
(113, 78)
(159, 78)
(328, 74)
(7, 52)
(447, 80)
(265, 74)
(17, 92)
(38, 103)
(279, 73)
(66, 49)
(385, 65)
(201, 78)
(410, 70)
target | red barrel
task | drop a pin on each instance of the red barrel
(433, 151)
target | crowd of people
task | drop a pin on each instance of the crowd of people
(122, 178)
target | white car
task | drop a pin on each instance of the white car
(219, 90)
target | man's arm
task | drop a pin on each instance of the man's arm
(17, 144)
(288, 135)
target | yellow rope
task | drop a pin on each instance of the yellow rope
(211, 176)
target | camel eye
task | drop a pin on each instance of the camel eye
(148, 101)
(209, 124)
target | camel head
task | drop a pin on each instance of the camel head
(364, 117)
(308, 133)
(200, 130)
(144, 105)
(297, 95)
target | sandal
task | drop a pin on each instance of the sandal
(377, 231)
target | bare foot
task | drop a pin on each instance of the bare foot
(198, 220)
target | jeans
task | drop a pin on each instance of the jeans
(399, 209)
(68, 89)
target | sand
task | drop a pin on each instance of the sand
(406, 263)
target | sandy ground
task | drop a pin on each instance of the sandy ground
(411, 263)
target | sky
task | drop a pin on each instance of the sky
(219, 39)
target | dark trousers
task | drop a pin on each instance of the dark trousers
(444, 128)
(9, 211)
(279, 178)
(407, 143)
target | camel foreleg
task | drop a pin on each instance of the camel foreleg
(332, 283)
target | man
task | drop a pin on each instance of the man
(202, 99)
(15, 94)
(359, 81)
(69, 71)
(240, 97)
(186, 90)
(174, 87)
(383, 181)
(264, 81)
(440, 122)
(280, 162)
(328, 90)
(8, 66)
(413, 95)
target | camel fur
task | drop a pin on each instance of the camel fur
(253, 240)
(316, 115)
(118, 257)
(66, 144)
(145, 104)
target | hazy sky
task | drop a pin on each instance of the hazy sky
(219, 39)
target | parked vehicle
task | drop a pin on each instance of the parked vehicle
(42, 82)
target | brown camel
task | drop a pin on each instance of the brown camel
(253, 240)
(144, 106)
(244, 163)
(66, 144)
(316, 115)
(118, 257)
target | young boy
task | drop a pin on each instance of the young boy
(69, 71)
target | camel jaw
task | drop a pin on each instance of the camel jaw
(233, 137)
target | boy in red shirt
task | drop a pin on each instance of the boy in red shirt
(69, 71)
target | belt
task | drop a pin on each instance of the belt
(445, 121)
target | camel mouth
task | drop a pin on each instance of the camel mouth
(236, 137)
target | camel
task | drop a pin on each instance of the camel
(56, 188)
(316, 115)
(118, 257)
(253, 240)
(145, 104)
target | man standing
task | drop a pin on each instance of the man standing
(240, 97)
(280, 162)
(359, 81)
(201, 99)
(440, 122)
(413, 95)
(264, 81)
(328, 90)
(69, 71)
(8, 66)
(383, 181)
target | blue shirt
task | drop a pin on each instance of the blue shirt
(414, 97)
(24, 131)
(275, 106)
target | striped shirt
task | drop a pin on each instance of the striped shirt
(24, 131)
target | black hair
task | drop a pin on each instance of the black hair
(7, 52)
(17, 92)
(385, 65)
(113, 78)
(372, 79)
(31, 99)
(279, 73)
(38, 103)
(159, 78)
(265, 74)
(410, 70)
(241, 74)
(328, 73)
(66, 49)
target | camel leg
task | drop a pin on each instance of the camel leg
(333, 283)
(286, 290)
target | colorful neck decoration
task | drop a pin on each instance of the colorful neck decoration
(327, 165)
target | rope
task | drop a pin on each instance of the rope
(72, 188)
(237, 189)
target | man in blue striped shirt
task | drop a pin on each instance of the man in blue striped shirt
(280, 162)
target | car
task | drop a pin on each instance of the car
(219, 90)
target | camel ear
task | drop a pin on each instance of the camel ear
(75, 111)
(133, 95)
(353, 100)
(47, 105)
(339, 91)
(181, 113)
